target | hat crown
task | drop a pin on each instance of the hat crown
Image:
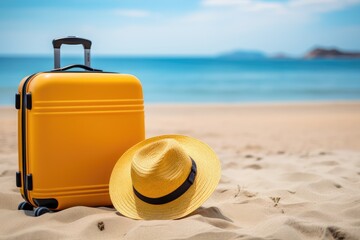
(159, 168)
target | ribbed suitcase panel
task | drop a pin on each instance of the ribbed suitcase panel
(78, 127)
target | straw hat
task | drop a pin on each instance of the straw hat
(164, 177)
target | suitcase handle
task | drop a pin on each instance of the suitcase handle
(76, 66)
(71, 40)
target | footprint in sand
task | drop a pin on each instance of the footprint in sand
(253, 166)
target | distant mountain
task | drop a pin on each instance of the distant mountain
(241, 54)
(313, 54)
(330, 53)
(281, 56)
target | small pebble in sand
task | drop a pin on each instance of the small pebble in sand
(276, 200)
(101, 226)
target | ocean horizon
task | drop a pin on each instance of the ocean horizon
(210, 79)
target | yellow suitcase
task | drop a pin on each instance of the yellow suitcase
(73, 126)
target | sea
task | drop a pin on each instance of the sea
(210, 79)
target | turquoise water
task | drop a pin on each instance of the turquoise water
(210, 79)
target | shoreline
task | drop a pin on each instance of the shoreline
(265, 103)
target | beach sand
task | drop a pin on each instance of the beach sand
(289, 171)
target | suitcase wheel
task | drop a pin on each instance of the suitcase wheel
(25, 206)
(40, 211)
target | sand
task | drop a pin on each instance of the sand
(289, 171)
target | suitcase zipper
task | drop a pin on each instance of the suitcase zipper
(23, 138)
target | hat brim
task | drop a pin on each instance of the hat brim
(207, 178)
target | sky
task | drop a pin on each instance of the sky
(180, 27)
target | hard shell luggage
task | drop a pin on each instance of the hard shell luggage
(73, 126)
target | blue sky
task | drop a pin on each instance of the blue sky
(180, 27)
